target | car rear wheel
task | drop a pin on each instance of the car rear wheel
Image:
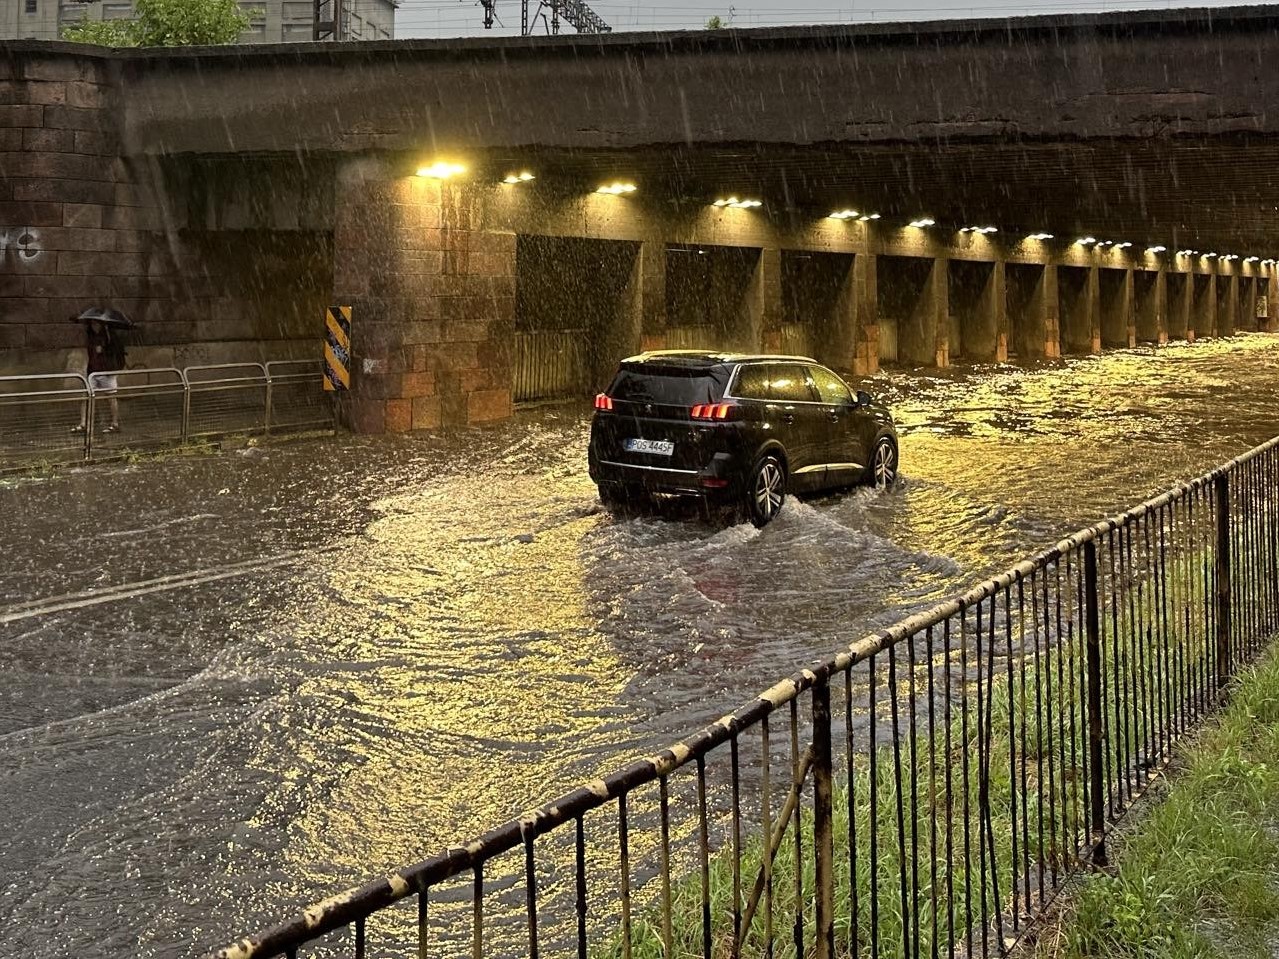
(883, 464)
(767, 490)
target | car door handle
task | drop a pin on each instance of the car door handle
(788, 418)
(834, 416)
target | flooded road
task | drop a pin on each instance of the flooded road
(435, 633)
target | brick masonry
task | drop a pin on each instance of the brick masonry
(433, 300)
(81, 225)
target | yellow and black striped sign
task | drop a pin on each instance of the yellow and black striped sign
(337, 348)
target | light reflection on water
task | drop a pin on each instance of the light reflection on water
(469, 633)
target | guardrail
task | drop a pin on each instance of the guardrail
(935, 783)
(61, 417)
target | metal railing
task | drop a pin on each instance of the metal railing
(61, 417)
(925, 792)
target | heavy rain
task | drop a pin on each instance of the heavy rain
(323, 561)
(382, 644)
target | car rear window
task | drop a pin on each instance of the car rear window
(669, 387)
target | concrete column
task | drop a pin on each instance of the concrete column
(1052, 312)
(999, 293)
(1117, 326)
(433, 303)
(866, 315)
(765, 304)
(922, 337)
(1272, 302)
(1150, 292)
(652, 294)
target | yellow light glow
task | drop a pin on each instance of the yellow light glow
(923, 221)
(516, 178)
(441, 170)
(737, 204)
(843, 215)
(617, 189)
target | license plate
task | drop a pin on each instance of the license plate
(655, 447)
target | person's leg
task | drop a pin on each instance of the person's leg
(115, 413)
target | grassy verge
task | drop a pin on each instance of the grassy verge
(1200, 876)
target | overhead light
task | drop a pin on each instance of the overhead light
(1251, 259)
(1156, 249)
(923, 222)
(1209, 256)
(978, 229)
(617, 189)
(441, 170)
(1105, 242)
(1040, 236)
(734, 203)
(1122, 246)
(843, 215)
(1086, 240)
(519, 178)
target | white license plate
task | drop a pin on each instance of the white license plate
(655, 447)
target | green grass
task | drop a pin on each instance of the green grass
(1200, 877)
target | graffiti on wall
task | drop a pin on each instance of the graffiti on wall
(21, 243)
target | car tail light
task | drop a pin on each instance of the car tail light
(603, 401)
(713, 411)
(713, 482)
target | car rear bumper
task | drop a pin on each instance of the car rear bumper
(715, 480)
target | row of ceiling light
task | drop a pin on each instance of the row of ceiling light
(443, 171)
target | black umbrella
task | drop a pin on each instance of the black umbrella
(107, 317)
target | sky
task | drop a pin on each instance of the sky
(451, 18)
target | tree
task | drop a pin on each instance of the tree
(715, 23)
(167, 23)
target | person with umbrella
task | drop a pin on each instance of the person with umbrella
(106, 356)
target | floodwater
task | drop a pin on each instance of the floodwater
(432, 634)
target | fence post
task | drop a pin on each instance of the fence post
(266, 426)
(823, 822)
(1222, 487)
(186, 406)
(90, 410)
(1096, 776)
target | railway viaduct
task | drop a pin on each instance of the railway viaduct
(918, 194)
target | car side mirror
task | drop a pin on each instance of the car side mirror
(863, 398)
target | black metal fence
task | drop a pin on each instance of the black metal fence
(924, 793)
(60, 417)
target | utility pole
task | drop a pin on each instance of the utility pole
(576, 13)
(327, 20)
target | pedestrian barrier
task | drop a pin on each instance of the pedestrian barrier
(61, 417)
(926, 791)
(39, 415)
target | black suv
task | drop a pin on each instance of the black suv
(736, 429)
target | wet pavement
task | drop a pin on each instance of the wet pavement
(433, 633)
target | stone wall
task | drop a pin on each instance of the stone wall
(433, 300)
(82, 225)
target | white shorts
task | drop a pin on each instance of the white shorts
(103, 382)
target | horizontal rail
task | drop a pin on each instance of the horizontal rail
(42, 420)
